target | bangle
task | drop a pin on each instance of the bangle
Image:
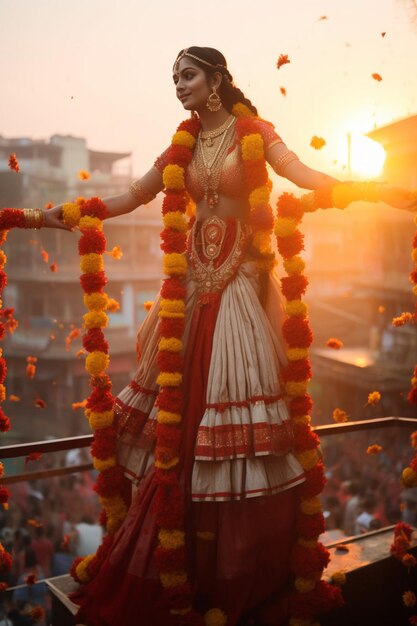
(141, 195)
(281, 163)
(34, 218)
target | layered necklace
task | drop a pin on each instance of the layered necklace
(210, 158)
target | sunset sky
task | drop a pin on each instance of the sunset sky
(101, 69)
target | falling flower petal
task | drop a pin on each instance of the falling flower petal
(373, 398)
(377, 77)
(381, 309)
(13, 163)
(48, 205)
(45, 255)
(75, 332)
(323, 17)
(37, 613)
(334, 343)
(116, 252)
(33, 456)
(13, 398)
(283, 91)
(30, 579)
(84, 175)
(374, 449)
(53, 267)
(340, 416)
(409, 598)
(39, 403)
(282, 60)
(147, 305)
(79, 405)
(383, 34)
(317, 142)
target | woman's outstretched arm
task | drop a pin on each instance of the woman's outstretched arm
(140, 192)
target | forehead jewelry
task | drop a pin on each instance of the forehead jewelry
(185, 53)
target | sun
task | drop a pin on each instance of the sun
(367, 157)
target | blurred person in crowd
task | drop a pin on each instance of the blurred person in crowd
(35, 594)
(88, 536)
(352, 508)
(44, 549)
(364, 520)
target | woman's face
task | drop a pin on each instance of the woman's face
(191, 85)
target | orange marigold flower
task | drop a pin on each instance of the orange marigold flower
(409, 598)
(409, 560)
(317, 142)
(80, 353)
(282, 60)
(39, 403)
(113, 305)
(84, 175)
(48, 205)
(30, 579)
(334, 343)
(13, 162)
(374, 397)
(30, 370)
(53, 267)
(37, 613)
(33, 456)
(13, 398)
(402, 319)
(116, 252)
(376, 76)
(340, 416)
(283, 91)
(147, 305)
(45, 255)
(374, 449)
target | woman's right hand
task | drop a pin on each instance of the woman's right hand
(52, 218)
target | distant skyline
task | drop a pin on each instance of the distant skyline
(102, 69)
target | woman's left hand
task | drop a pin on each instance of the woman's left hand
(399, 198)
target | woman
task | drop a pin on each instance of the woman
(237, 474)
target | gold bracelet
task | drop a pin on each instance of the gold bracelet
(34, 218)
(141, 195)
(284, 160)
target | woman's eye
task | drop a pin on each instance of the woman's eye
(189, 76)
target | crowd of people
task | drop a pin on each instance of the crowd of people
(49, 522)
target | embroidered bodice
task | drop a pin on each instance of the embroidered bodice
(232, 173)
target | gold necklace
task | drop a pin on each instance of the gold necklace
(210, 171)
(208, 135)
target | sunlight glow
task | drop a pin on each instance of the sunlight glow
(367, 156)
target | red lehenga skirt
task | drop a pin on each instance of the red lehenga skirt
(238, 471)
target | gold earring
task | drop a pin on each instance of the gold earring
(214, 102)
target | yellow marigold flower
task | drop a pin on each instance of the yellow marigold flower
(113, 305)
(409, 478)
(308, 459)
(374, 397)
(302, 419)
(88, 222)
(171, 539)
(116, 252)
(296, 308)
(174, 308)
(176, 221)
(173, 177)
(95, 319)
(174, 263)
(183, 138)
(342, 196)
(409, 598)
(295, 354)
(2, 393)
(96, 362)
(173, 579)
(91, 263)
(307, 543)
(80, 200)
(168, 464)
(206, 535)
(308, 203)
(374, 449)
(252, 147)
(294, 265)
(166, 417)
(170, 344)
(84, 175)
(71, 214)
(339, 578)
(304, 585)
(340, 416)
(169, 379)
(259, 197)
(241, 110)
(95, 301)
(285, 226)
(3, 259)
(1, 470)
(294, 389)
(103, 464)
(310, 506)
(409, 560)
(215, 617)
(113, 523)
(81, 569)
(413, 439)
(101, 419)
(147, 305)
(262, 241)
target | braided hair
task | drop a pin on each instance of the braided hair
(228, 92)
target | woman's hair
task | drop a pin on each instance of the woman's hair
(228, 92)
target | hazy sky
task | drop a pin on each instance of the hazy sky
(101, 69)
